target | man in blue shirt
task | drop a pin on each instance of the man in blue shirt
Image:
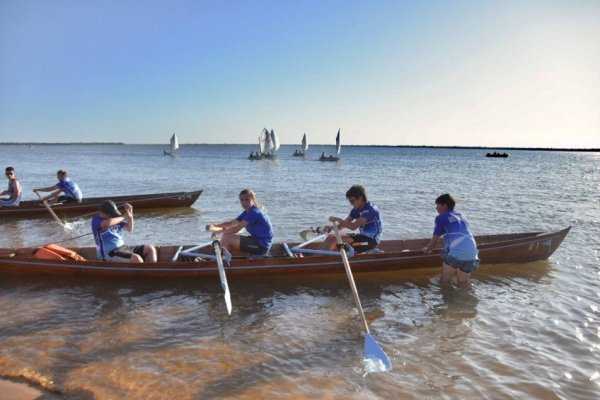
(107, 227)
(65, 185)
(257, 224)
(460, 250)
(364, 216)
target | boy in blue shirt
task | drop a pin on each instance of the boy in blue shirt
(460, 250)
(70, 188)
(365, 217)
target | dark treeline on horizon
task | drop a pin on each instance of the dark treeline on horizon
(316, 144)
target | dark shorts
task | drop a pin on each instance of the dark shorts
(361, 243)
(127, 252)
(250, 245)
(467, 266)
(65, 199)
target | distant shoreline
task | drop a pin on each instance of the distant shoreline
(590, 150)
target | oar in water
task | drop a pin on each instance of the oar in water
(217, 246)
(375, 358)
(65, 225)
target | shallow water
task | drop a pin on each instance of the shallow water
(528, 330)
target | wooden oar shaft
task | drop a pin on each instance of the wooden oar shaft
(50, 210)
(350, 277)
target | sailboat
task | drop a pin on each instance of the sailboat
(338, 150)
(174, 146)
(265, 146)
(304, 148)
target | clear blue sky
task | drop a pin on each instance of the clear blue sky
(473, 73)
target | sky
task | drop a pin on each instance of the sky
(507, 73)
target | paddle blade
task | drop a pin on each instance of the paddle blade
(375, 358)
(304, 234)
(227, 298)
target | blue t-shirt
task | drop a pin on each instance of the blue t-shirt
(374, 226)
(458, 239)
(259, 226)
(70, 188)
(107, 239)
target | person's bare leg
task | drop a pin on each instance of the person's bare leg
(447, 274)
(150, 253)
(462, 278)
(329, 243)
(135, 258)
(231, 243)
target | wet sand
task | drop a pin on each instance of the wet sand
(20, 391)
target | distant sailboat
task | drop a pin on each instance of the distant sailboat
(265, 146)
(338, 150)
(304, 148)
(174, 146)
(268, 144)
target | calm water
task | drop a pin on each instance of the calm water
(520, 331)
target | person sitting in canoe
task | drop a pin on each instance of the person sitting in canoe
(364, 216)
(460, 250)
(254, 219)
(70, 188)
(14, 190)
(107, 227)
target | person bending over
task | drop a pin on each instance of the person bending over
(459, 254)
(69, 188)
(108, 226)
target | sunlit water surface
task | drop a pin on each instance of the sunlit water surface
(519, 331)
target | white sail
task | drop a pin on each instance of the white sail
(262, 141)
(174, 143)
(268, 142)
(304, 144)
(274, 141)
(338, 146)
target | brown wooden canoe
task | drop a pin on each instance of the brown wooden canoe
(392, 255)
(35, 208)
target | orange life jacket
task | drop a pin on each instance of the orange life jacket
(55, 252)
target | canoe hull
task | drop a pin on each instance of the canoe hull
(397, 255)
(34, 208)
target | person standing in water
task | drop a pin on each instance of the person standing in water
(459, 254)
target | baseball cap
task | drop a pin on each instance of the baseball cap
(109, 207)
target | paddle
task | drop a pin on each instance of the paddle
(318, 230)
(375, 358)
(65, 225)
(217, 246)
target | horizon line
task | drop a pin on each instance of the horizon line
(582, 149)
